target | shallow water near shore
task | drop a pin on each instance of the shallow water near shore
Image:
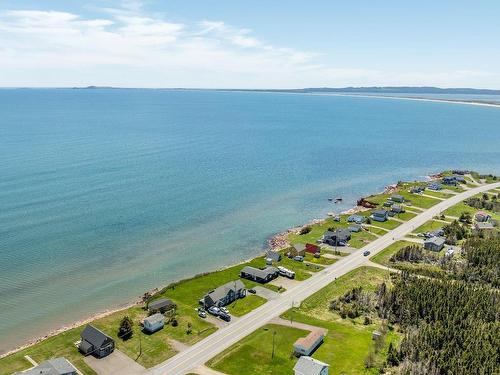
(105, 194)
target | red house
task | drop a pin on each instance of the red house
(311, 248)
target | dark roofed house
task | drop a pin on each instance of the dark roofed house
(434, 186)
(263, 275)
(354, 228)
(380, 215)
(224, 295)
(95, 342)
(273, 255)
(310, 366)
(337, 237)
(298, 249)
(56, 366)
(397, 198)
(161, 305)
(450, 180)
(396, 208)
(434, 243)
(358, 219)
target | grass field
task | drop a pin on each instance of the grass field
(429, 226)
(345, 346)
(418, 200)
(384, 256)
(360, 239)
(377, 230)
(405, 216)
(389, 224)
(243, 306)
(438, 194)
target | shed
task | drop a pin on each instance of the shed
(154, 323)
(310, 366)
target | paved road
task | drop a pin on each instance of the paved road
(209, 347)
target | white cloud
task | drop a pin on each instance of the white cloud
(128, 47)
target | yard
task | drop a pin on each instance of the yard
(384, 256)
(419, 200)
(243, 306)
(429, 226)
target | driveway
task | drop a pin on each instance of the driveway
(116, 363)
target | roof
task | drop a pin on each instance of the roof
(222, 291)
(155, 318)
(299, 246)
(309, 366)
(56, 366)
(484, 225)
(94, 336)
(380, 213)
(436, 240)
(273, 255)
(261, 273)
(160, 304)
(482, 213)
(397, 196)
(310, 340)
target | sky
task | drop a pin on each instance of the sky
(249, 44)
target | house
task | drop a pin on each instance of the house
(453, 180)
(273, 255)
(313, 249)
(460, 179)
(307, 345)
(310, 366)
(397, 198)
(434, 243)
(379, 215)
(224, 295)
(260, 275)
(56, 366)
(354, 228)
(161, 305)
(482, 216)
(337, 237)
(484, 226)
(95, 342)
(417, 189)
(434, 186)
(358, 219)
(396, 208)
(154, 323)
(298, 249)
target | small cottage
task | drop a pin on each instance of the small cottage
(161, 305)
(95, 342)
(380, 215)
(307, 345)
(310, 366)
(154, 323)
(434, 243)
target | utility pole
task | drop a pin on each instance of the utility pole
(291, 315)
(272, 355)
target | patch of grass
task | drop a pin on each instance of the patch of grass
(405, 216)
(384, 256)
(253, 354)
(360, 239)
(302, 270)
(429, 226)
(243, 306)
(321, 260)
(377, 230)
(418, 200)
(438, 194)
(389, 224)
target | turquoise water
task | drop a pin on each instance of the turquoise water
(107, 193)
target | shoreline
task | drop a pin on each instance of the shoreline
(274, 242)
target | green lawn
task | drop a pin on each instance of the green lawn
(438, 194)
(418, 200)
(457, 210)
(384, 256)
(389, 224)
(243, 306)
(376, 230)
(321, 260)
(360, 239)
(429, 226)
(345, 346)
(253, 354)
(302, 270)
(405, 216)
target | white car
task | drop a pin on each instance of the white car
(223, 309)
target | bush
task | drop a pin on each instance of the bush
(305, 229)
(125, 331)
(174, 322)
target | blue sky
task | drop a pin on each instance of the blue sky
(250, 44)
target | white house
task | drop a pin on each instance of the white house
(154, 322)
(310, 366)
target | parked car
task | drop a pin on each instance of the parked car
(317, 255)
(252, 291)
(225, 317)
(366, 253)
(202, 313)
(224, 310)
(214, 310)
(298, 258)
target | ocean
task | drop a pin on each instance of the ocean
(107, 193)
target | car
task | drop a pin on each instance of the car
(214, 310)
(298, 258)
(202, 313)
(225, 317)
(317, 255)
(366, 253)
(252, 291)
(224, 310)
